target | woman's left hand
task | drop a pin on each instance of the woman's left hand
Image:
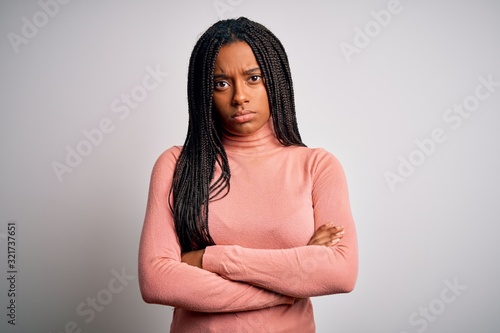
(327, 235)
(193, 258)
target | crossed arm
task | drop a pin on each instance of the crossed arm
(327, 235)
(233, 278)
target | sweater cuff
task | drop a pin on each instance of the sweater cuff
(223, 260)
(212, 258)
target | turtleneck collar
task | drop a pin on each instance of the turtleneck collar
(260, 142)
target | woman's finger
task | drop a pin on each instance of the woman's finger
(327, 235)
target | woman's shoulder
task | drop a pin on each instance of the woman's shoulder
(168, 158)
(315, 152)
(172, 152)
(318, 158)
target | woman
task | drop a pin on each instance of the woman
(244, 223)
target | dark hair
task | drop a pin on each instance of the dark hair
(193, 185)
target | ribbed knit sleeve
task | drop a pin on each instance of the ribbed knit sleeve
(302, 271)
(164, 279)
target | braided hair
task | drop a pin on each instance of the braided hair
(193, 185)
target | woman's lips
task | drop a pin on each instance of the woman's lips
(243, 116)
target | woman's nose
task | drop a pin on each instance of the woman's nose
(240, 95)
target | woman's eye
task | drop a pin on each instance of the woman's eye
(255, 78)
(220, 85)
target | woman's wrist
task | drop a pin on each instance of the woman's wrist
(193, 258)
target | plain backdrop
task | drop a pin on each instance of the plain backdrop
(405, 94)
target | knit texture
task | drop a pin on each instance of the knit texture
(261, 273)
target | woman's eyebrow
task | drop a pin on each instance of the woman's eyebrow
(248, 72)
(220, 76)
(253, 70)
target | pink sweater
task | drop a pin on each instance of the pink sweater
(260, 275)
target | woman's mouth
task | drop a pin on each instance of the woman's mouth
(243, 116)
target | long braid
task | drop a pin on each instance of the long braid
(271, 54)
(193, 185)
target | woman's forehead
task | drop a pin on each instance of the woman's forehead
(235, 56)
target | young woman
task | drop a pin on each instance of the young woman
(244, 223)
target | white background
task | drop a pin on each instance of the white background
(438, 227)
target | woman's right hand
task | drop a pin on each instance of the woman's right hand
(327, 235)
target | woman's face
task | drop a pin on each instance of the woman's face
(240, 96)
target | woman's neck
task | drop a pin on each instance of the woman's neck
(262, 141)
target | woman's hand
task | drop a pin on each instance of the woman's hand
(193, 258)
(327, 235)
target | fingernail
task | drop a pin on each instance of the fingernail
(335, 241)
